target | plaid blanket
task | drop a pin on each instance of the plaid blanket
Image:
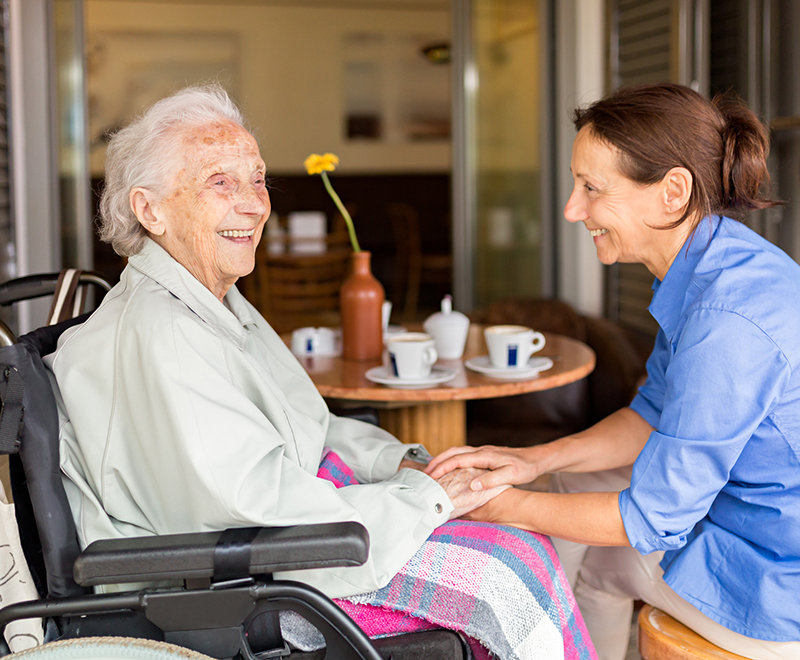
(501, 587)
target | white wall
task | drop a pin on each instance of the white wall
(288, 71)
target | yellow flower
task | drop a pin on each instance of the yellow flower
(316, 164)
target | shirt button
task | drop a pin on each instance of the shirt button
(438, 508)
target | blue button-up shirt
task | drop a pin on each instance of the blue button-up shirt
(718, 483)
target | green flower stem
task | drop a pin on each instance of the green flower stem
(350, 229)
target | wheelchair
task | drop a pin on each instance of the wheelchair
(229, 602)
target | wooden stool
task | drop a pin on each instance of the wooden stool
(663, 638)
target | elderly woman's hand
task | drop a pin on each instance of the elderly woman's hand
(411, 465)
(457, 486)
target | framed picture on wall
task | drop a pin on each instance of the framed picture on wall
(128, 71)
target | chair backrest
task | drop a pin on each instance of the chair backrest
(6, 335)
(44, 284)
(300, 289)
(413, 265)
(70, 289)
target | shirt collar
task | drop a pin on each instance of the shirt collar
(155, 262)
(669, 295)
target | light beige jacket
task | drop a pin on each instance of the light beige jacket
(180, 413)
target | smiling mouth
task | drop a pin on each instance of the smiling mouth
(598, 232)
(237, 233)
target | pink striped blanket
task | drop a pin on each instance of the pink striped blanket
(502, 588)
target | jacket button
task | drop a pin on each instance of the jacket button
(438, 508)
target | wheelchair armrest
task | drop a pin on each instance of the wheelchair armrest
(188, 556)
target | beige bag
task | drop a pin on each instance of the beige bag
(16, 583)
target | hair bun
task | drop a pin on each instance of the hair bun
(745, 146)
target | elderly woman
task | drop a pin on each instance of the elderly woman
(182, 410)
(712, 509)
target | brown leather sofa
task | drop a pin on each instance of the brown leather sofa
(539, 417)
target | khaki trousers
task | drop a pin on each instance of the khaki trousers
(606, 581)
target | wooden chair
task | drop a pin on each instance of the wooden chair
(413, 266)
(296, 289)
(663, 638)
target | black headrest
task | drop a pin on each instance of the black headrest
(44, 340)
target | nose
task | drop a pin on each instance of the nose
(253, 201)
(575, 211)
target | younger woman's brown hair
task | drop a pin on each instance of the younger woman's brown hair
(661, 126)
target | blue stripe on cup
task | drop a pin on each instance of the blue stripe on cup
(394, 365)
(309, 345)
(512, 355)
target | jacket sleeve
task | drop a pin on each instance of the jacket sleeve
(372, 453)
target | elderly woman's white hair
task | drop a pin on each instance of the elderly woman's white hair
(142, 155)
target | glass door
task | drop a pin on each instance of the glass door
(508, 160)
(501, 75)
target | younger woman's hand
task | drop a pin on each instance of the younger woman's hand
(498, 465)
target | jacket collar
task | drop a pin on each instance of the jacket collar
(230, 319)
(670, 297)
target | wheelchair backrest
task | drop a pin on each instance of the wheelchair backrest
(47, 530)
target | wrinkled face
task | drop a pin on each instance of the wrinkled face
(620, 214)
(214, 214)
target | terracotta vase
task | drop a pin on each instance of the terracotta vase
(361, 300)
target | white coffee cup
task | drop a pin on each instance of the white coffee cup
(411, 355)
(315, 341)
(511, 346)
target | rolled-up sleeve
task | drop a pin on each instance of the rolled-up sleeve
(371, 453)
(723, 379)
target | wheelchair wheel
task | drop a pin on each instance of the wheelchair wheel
(109, 648)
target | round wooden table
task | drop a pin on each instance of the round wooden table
(436, 416)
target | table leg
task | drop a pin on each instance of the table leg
(436, 424)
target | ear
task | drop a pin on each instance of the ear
(143, 206)
(677, 189)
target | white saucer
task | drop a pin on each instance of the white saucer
(484, 365)
(383, 376)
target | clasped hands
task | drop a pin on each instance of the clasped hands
(473, 476)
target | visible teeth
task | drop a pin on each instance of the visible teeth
(236, 233)
(598, 232)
